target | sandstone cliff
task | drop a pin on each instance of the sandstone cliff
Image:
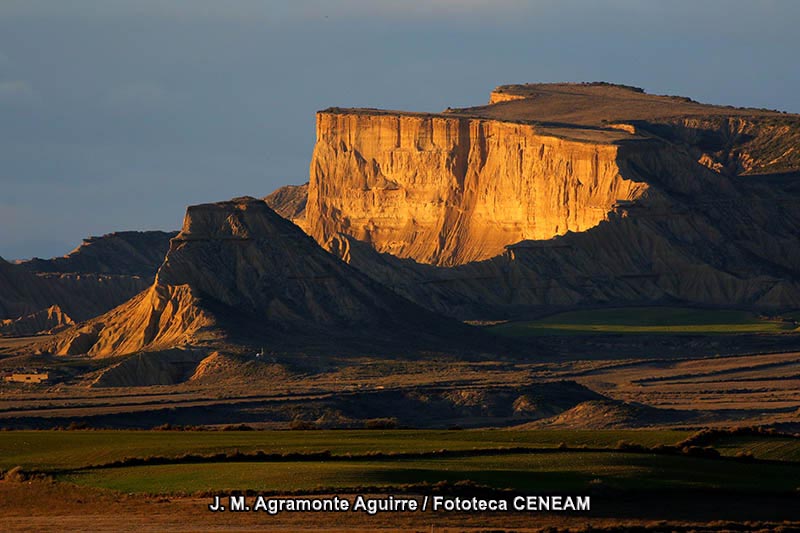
(450, 190)
(240, 273)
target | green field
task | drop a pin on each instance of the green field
(647, 320)
(558, 471)
(67, 455)
(55, 450)
(776, 449)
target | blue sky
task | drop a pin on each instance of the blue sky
(118, 114)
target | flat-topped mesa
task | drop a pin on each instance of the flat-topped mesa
(540, 161)
(449, 189)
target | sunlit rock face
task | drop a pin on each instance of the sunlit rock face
(450, 190)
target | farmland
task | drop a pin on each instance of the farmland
(634, 477)
(59, 450)
(648, 320)
(169, 462)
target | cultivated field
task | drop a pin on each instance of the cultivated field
(170, 476)
(649, 320)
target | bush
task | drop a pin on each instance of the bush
(380, 423)
(238, 427)
(298, 424)
(16, 475)
(704, 452)
(626, 446)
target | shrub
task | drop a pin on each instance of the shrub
(298, 424)
(626, 446)
(380, 423)
(16, 475)
(704, 452)
(238, 427)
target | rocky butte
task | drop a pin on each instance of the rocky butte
(240, 274)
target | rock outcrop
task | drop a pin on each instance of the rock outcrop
(100, 274)
(241, 273)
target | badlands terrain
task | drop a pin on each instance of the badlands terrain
(430, 272)
(580, 288)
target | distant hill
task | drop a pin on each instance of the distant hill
(137, 253)
(100, 274)
(79, 296)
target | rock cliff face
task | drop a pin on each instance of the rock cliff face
(450, 190)
(238, 271)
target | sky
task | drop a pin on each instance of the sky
(117, 114)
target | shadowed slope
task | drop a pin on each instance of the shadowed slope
(138, 253)
(80, 296)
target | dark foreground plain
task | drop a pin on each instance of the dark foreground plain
(158, 480)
